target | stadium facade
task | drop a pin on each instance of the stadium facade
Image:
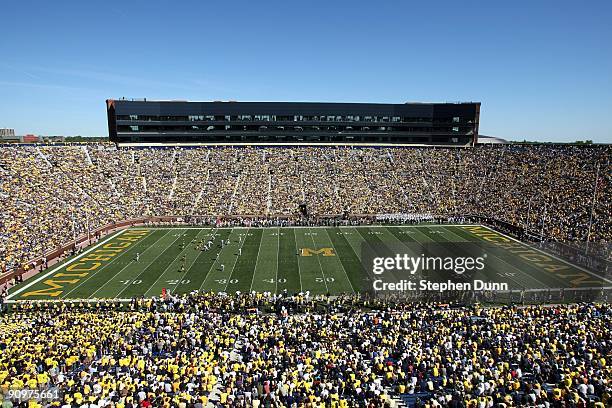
(143, 121)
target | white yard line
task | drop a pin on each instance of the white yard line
(108, 264)
(115, 275)
(402, 243)
(150, 263)
(298, 260)
(256, 260)
(92, 296)
(352, 244)
(213, 264)
(319, 261)
(161, 275)
(339, 261)
(246, 235)
(21, 289)
(209, 232)
(355, 251)
(277, 254)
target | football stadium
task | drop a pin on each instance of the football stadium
(308, 209)
(218, 263)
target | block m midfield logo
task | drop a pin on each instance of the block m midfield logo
(320, 251)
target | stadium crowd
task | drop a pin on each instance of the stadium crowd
(262, 350)
(50, 194)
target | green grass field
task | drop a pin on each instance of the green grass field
(317, 259)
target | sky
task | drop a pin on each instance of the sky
(542, 69)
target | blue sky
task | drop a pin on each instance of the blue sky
(542, 69)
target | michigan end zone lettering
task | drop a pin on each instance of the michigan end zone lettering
(574, 277)
(83, 267)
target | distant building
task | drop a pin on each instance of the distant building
(6, 132)
(30, 139)
(292, 122)
(8, 135)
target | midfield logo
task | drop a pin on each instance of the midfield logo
(320, 251)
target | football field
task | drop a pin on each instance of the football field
(146, 261)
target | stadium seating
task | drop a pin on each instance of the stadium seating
(49, 194)
(245, 351)
(298, 351)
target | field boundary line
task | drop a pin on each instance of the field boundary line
(75, 300)
(21, 289)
